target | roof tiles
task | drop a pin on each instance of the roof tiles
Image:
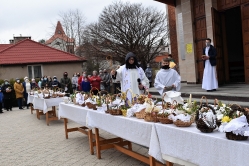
(29, 51)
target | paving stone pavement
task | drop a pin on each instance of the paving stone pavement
(27, 141)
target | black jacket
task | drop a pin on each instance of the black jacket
(212, 55)
(5, 94)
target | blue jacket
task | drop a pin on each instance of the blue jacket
(212, 55)
(85, 86)
(1, 97)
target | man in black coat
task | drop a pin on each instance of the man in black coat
(209, 81)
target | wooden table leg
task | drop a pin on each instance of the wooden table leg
(152, 161)
(54, 111)
(97, 143)
(130, 146)
(169, 163)
(31, 108)
(38, 114)
(47, 120)
(65, 126)
(90, 138)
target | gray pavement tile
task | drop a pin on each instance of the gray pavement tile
(27, 141)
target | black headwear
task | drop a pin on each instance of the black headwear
(127, 64)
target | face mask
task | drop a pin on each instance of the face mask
(165, 67)
(78, 75)
(26, 80)
(65, 75)
(94, 74)
(6, 83)
(55, 79)
(84, 75)
(208, 44)
(74, 75)
(45, 79)
(17, 81)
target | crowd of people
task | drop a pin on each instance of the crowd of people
(20, 90)
(129, 76)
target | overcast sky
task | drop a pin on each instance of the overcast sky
(36, 18)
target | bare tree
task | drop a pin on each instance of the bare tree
(73, 22)
(125, 27)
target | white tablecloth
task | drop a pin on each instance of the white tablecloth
(203, 149)
(132, 129)
(73, 112)
(30, 98)
(44, 104)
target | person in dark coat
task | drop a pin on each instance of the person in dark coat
(45, 82)
(66, 84)
(7, 90)
(55, 83)
(209, 81)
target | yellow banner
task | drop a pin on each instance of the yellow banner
(189, 48)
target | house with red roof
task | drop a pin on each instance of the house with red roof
(33, 59)
(60, 40)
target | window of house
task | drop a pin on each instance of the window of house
(35, 71)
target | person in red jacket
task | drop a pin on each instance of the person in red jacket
(95, 82)
(80, 79)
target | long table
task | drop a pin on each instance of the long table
(130, 129)
(127, 129)
(42, 107)
(188, 146)
(166, 142)
(77, 114)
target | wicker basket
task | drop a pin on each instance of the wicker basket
(140, 114)
(115, 111)
(54, 95)
(89, 105)
(165, 120)
(151, 117)
(46, 94)
(200, 124)
(180, 123)
(232, 136)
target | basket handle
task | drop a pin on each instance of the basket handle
(163, 102)
(203, 97)
(216, 102)
(235, 105)
(93, 88)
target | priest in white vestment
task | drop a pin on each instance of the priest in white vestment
(131, 76)
(167, 79)
(209, 81)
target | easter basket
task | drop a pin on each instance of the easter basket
(46, 94)
(204, 119)
(235, 109)
(164, 117)
(180, 123)
(140, 114)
